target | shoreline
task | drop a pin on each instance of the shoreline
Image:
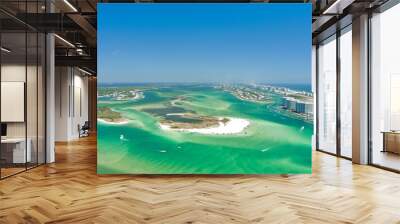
(233, 126)
(113, 122)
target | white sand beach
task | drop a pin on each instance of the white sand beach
(233, 126)
(175, 114)
(111, 122)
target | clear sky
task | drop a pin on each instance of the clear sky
(249, 43)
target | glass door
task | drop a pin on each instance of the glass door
(22, 77)
(14, 155)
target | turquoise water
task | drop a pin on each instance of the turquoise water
(272, 144)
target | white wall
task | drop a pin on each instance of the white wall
(80, 110)
(12, 73)
(71, 102)
(33, 126)
(17, 73)
(62, 82)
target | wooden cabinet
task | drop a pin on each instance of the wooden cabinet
(391, 142)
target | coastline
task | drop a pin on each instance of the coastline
(136, 97)
(113, 122)
(233, 126)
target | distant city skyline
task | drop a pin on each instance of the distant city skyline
(228, 43)
(307, 87)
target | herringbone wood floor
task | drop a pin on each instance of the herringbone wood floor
(69, 191)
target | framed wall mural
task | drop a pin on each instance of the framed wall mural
(204, 89)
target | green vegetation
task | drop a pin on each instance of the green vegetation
(301, 97)
(189, 121)
(225, 120)
(107, 114)
(121, 94)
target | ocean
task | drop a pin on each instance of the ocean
(273, 143)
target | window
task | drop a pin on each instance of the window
(327, 95)
(346, 92)
(385, 89)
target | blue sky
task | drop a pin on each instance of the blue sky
(249, 43)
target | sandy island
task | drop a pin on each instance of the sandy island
(109, 116)
(233, 126)
(119, 122)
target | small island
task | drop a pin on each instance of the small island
(187, 122)
(124, 94)
(248, 93)
(107, 115)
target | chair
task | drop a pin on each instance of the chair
(84, 130)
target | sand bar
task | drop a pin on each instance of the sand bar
(113, 122)
(233, 126)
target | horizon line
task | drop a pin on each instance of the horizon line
(195, 82)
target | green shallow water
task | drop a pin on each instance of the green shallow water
(273, 143)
